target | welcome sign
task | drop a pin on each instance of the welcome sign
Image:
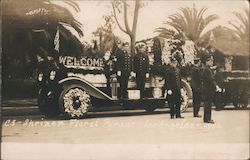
(81, 62)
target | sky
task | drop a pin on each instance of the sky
(153, 14)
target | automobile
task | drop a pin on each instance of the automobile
(74, 86)
(236, 82)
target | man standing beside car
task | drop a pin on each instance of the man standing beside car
(219, 96)
(209, 86)
(196, 85)
(172, 88)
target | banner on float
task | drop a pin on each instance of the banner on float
(82, 62)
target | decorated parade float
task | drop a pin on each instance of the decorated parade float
(74, 86)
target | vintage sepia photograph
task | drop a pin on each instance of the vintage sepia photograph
(125, 79)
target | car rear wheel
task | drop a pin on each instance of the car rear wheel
(240, 102)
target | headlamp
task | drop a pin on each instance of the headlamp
(52, 75)
(157, 92)
(40, 76)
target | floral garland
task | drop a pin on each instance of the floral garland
(85, 71)
(172, 48)
(189, 52)
(166, 52)
(157, 51)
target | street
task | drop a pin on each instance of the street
(128, 135)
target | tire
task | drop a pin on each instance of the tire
(241, 103)
(74, 101)
(48, 106)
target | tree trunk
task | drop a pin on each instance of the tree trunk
(132, 41)
(101, 42)
(127, 29)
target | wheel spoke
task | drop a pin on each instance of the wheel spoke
(184, 102)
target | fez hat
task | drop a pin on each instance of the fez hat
(196, 60)
(140, 44)
(125, 43)
(205, 57)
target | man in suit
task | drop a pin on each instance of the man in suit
(172, 88)
(219, 96)
(124, 67)
(196, 85)
(209, 86)
(141, 66)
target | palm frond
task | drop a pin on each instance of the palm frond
(190, 22)
(73, 4)
(241, 29)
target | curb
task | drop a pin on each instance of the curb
(17, 111)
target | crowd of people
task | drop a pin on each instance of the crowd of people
(204, 83)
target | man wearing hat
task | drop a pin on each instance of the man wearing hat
(172, 88)
(209, 86)
(124, 67)
(141, 66)
(196, 85)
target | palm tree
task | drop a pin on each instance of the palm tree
(190, 24)
(29, 28)
(241, 29)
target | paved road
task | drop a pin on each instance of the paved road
(128, 135)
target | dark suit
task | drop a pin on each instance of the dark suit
(119, 53)
(173, 83)
(141, 67)
(219, 96)
(108, 70)
(124, 64)
(196, 84)
(209, 87)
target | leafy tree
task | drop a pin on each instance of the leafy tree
(189, 24)
(29, 28)
(105, 34)
(121, 7)
(241, 32)
(233, 41)
(223, 39)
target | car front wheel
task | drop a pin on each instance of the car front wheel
(74, 101)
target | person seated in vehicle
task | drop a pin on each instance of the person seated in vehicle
(141, 67)
(124, 67)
